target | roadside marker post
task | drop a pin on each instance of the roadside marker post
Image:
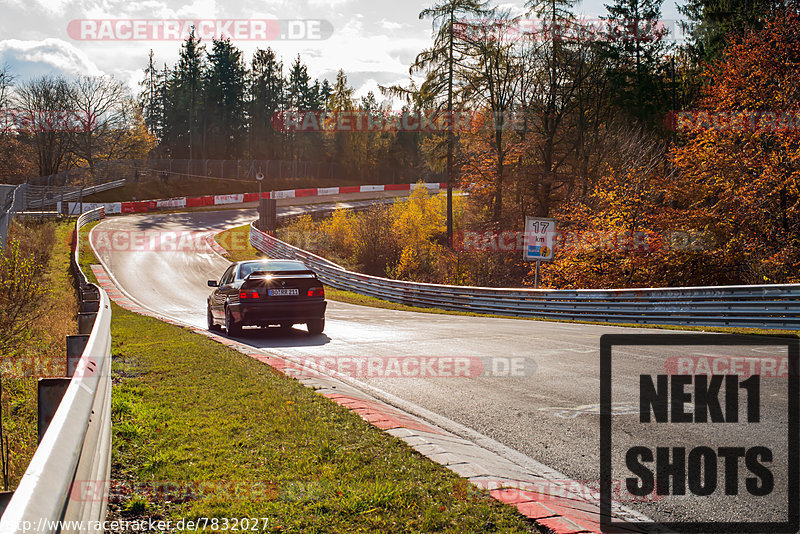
(539, 240)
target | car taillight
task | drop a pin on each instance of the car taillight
(248, 295)
(316, 292)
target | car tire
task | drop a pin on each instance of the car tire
(232, 327)
(316, 326)
(212, 326)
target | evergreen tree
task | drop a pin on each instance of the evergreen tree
(226, 109)
(440, 63)
(184, 100)
(267, 93)
(325, 91)
(151, 98)
(635, 49)
(712, 22)
(298, 88)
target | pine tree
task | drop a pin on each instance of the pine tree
(225, 83)
(712, 23)
(635, 48)
(441, 63)
(325, 91)
(267, 93)
(298, 88)
(150, 99)
(184, 100)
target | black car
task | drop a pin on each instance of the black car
(267, 292)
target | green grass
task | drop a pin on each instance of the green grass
(42, 353)
(192, 412)
(239, 233)
(237, 242)
(201, 430)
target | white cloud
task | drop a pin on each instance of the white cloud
(28, 59)
(336, 4)
(388, 25)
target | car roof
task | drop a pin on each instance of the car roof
(276, 265)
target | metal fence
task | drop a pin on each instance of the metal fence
(12, 200)
(760, 306)
(42, 196)
(68, 476)
(169, 170)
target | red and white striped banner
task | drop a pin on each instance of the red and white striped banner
(239, 198)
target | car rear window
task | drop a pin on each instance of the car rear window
(270, 266)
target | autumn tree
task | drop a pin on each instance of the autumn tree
(441, 62)
(493, 86)
(41, 105)
(739, 164)
(103, 106)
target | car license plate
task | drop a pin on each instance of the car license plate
(290, 292)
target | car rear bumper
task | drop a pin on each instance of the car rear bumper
(267, 313)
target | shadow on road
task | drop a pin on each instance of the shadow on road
(264, 338)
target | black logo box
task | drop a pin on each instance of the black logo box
(608, 341)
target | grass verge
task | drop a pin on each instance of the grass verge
(236, 242)
(203, 431)
(43, 352)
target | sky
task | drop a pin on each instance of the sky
(374, 41)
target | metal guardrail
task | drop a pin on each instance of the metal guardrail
(14, 202)
(757, 306)
(68, 476)
(41, 196)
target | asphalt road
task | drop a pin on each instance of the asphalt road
(549, 413)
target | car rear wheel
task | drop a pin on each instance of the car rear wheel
(316, 326)
(233, 328)
(214, 327)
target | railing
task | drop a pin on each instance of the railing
(758, 306)
(41, 196)
(13, 202)
(277, 172)
(68, 476)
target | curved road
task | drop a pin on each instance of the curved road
(547, 414)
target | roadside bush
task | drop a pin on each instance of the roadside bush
(21, 289)
(408, 241)
(37, 312)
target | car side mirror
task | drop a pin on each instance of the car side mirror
(213, 283)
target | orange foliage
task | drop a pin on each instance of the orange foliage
(743, 182)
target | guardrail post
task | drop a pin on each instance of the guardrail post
(86, 322)
(89, 306)
(90, 294)
(75, 346)
(267, 215)
(50, 392)
(5, 498)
